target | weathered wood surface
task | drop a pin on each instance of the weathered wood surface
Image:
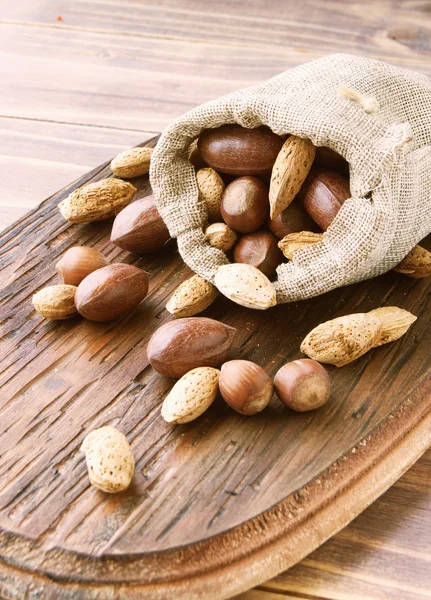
(170, 56)
(218, 494)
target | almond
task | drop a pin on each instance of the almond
(191, 395)
(109, 459)
(342, 340)
(56, 302)
(245, 285)
(416, 264)
(192, 297)
(295, 241)
(211, 187)
(221, 236)
(132, 163)
(395, 322)
(289, 172)
(97, 201)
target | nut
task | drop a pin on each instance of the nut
(221, 236)
(342, 340)
(245, 386)
(329, 159)
(417, 263)
(245, 205)
(245, 285)
(259, 249)
(111, 292)
(236, 150)
(303, 384)
(109, 459)
(191, 395)
(97, 201)
(78, 262)
(295, 241)
(323, 195)
(195, 156)
(193, 296)
(211, 187)
(289, 172)
(395, 322)
(185, 344)
(291, 220)
(132, 162)
(56, 302)
(139, 228)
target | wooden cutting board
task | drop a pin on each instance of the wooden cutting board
(217, 505)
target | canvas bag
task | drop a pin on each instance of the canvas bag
(377, 116)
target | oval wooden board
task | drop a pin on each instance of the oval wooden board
(217, 505)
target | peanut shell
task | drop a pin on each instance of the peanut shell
(192, 297)
(341, 341)
(395, 322)
(191, 395)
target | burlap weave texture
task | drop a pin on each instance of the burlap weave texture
(386, 139)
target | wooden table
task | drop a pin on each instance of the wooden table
(82, 80)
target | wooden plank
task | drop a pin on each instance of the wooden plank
(267, 489)
(390, 30)
(384, 554)
(126, 81)
(51, 155)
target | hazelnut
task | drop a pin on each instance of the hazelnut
(261, 250)
(293, 218)
(303, 384)
(221, 236)
(111, 292)
(78, 262)
(324, 193)
(139, 228)
(245, 386)
(245, 204)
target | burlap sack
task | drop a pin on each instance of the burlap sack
(375, 115)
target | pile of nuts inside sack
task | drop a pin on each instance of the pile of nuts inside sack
(266, 198)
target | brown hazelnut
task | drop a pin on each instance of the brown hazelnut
(303, 384)
(185, 344)
(139, 228)
(78, 262)
(245, 386)
(323, 194)
(261, 250)
(293, 218)
(111, 292)
(245, 204)
(237, 150)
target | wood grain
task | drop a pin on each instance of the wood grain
(52, 155)
(190, 52)
(221, 478)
